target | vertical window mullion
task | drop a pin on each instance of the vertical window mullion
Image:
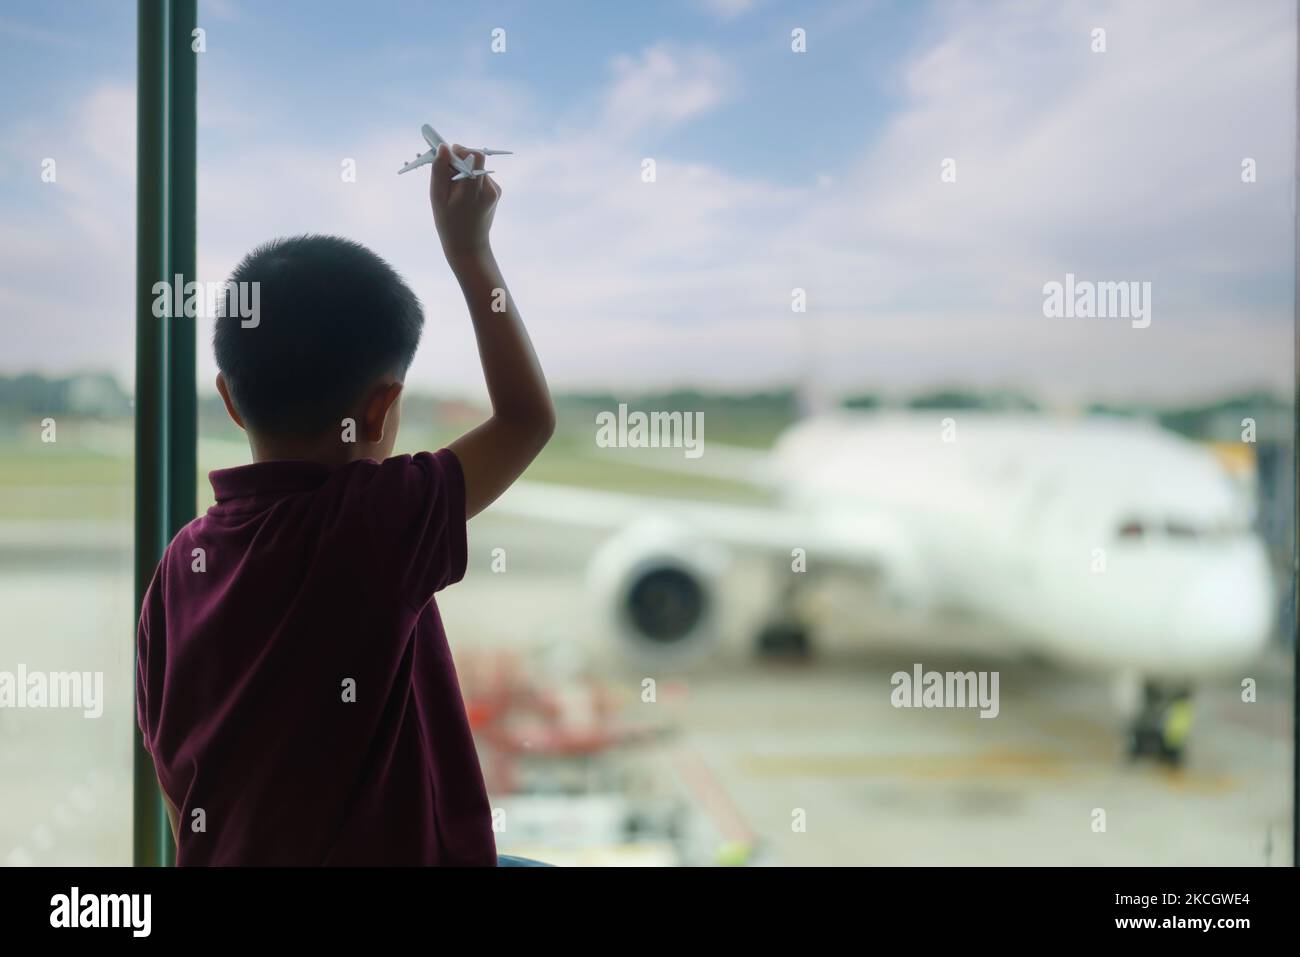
(165, 388)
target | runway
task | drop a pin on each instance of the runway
(1045, 782)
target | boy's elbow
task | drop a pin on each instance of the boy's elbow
(533, 431)
(544, 428)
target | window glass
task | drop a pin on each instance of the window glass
(67, 277)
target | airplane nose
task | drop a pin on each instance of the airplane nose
(1225, 612)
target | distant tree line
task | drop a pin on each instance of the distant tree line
(85, 395)
(761, 413)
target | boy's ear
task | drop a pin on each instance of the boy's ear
(375, 416)
(225, 397)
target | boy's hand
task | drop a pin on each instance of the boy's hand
(462, 211)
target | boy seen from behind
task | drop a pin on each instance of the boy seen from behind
(294, 685)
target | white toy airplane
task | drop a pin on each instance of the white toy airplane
(464, 166)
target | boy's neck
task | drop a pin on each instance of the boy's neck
(327, 451)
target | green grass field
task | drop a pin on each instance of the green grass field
(86, 473)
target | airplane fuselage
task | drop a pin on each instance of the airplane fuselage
(1098, 542)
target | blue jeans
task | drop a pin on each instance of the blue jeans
(509, 860)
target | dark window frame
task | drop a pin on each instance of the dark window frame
(166, 395)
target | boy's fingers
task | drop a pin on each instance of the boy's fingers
(442, 173)
(476, 162)
(479, 161)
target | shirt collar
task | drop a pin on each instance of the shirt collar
(267, 478)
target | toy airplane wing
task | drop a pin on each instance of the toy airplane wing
(431, 136)
(418, 161)
(467, 171)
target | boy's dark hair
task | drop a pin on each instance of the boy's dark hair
(332, 317)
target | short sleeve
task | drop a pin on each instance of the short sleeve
(416, 510)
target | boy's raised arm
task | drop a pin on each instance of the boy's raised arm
(495, 453)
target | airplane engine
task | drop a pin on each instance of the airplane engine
(658, 590)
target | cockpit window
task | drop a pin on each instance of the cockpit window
(1181, 530)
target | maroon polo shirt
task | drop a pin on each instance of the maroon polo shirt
(294, 682)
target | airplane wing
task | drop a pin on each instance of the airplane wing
(464, 167)
(420, 161)
(431, 136)
(728, 463)
(858, 542)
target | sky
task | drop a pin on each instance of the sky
(775, 170)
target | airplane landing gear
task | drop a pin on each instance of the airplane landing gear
(1162, 725)
(786, 635)
(784, 639)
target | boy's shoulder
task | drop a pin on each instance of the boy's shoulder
(405, 514)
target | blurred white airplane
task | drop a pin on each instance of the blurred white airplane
(464, 166)
(1101, 543)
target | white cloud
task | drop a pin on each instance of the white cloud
(663, 87)
(67, 267)
(1121, 165)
